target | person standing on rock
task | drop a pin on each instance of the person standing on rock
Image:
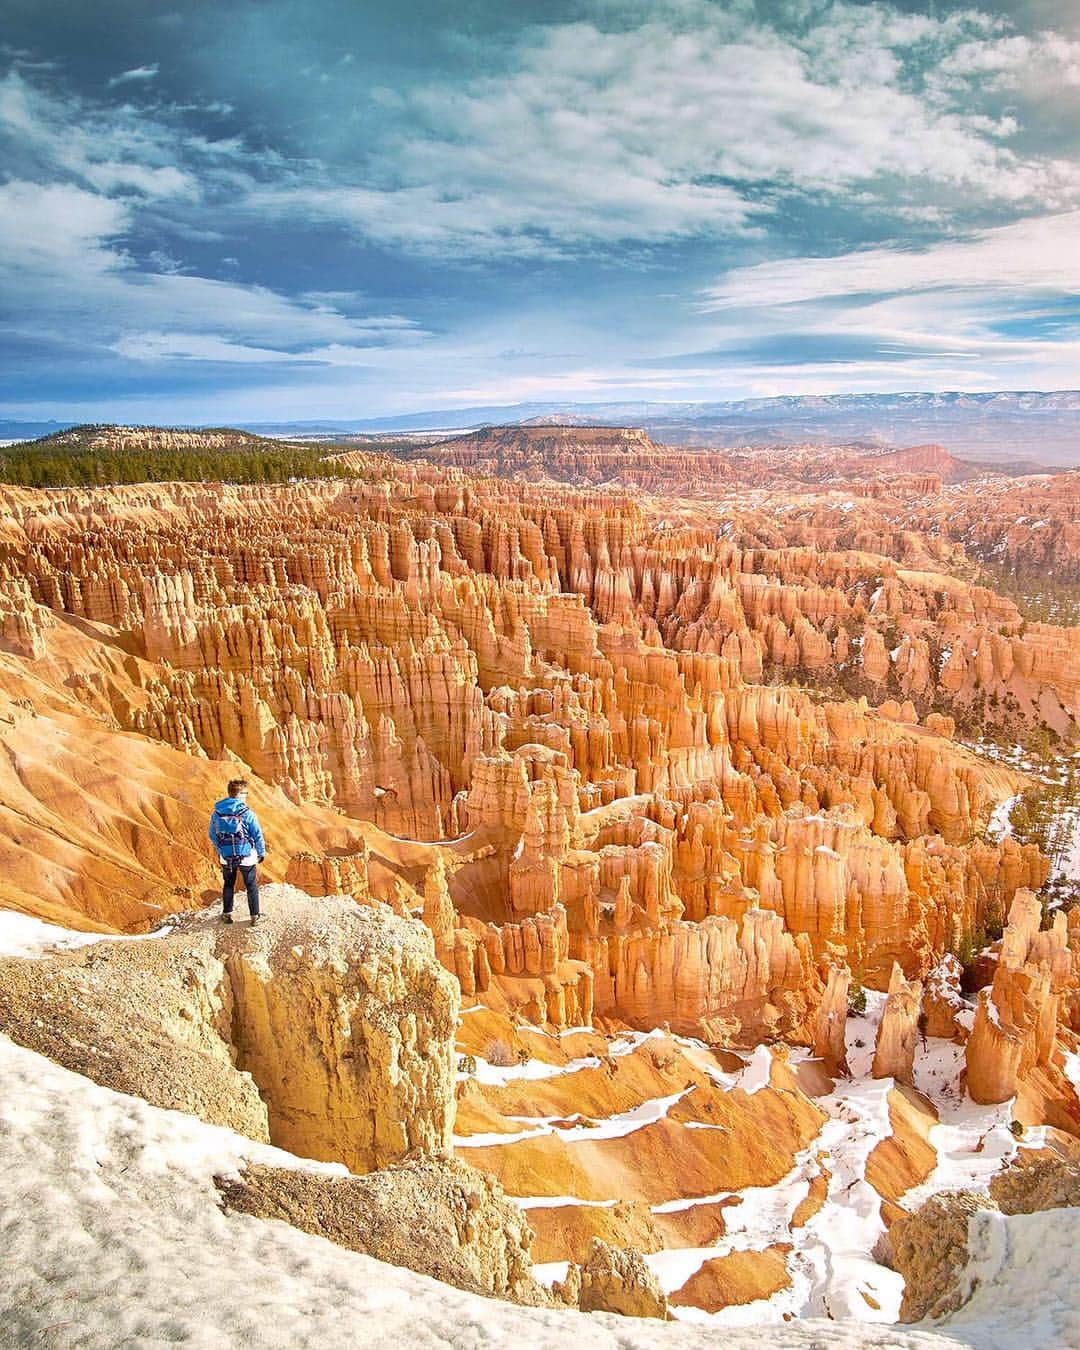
(236, 834)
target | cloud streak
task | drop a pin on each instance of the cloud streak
(64, 270)
(1040, 254)
(137, 75)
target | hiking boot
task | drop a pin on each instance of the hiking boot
(226, 918)
(255, 918)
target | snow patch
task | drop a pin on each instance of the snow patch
(111, 1204)
(999, 825)
(22, 935)
(610, 1127)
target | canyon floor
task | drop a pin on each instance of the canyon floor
(674, 863)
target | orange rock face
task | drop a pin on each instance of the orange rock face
(688, 761)
(564, 687)
(557, 696)
(1016, 1019)
(898, 1030)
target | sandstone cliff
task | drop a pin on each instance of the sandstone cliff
(328, 1030)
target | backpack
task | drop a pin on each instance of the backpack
(231, 834)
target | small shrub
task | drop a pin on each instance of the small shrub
(856, 1001)
(969, 946)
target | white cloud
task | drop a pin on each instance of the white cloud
(675, 120)
(48, 136)
(1039, 254)
(64, 272)
(986, 311)
(195, 346)
(139, 75)
(696, 119)
(58, 228)
(1047, 61)
(152, 346)
(67, 265)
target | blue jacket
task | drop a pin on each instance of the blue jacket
(236, 806)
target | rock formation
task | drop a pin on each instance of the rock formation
(898, 1030)
(1017, 1017)
(566, 682)
(931, 1247)
(942, 1001)
(328, 1030)
(830, 1025)
(614, 1280)
(440, 1218)
(703, 755)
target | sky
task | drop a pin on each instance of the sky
(270, 210)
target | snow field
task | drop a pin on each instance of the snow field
(831, 1268)
(113, 1234)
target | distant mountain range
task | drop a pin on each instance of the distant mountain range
(1007, 427)
(1003, 428)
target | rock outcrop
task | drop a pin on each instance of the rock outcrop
(1036, 1184)
(898, 1030)
(932, 1247)
(614, 1280)
(327, 1030)
(830, 1027)
(1016, 1019)
(437, 1217)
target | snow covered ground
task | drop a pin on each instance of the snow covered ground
(999, 824)
(536, 1070)
(972, 1142)
(113, 1234)
(831, 1268)
(1065, 855)
(22, 935)
(1024, 1282)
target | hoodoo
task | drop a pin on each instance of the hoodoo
(652, 909)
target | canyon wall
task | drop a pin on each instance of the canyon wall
(558, 695)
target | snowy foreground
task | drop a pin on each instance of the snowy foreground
(112, 1233)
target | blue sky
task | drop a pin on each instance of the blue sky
(250, 210)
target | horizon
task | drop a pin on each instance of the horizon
(647, 409)
(275, 213)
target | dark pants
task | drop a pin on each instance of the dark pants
(228, 876)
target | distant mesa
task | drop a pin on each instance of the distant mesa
(113, 438)
(614, 456)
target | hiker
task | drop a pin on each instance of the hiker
(238, 838)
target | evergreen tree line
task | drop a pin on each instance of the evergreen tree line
(41, 464)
